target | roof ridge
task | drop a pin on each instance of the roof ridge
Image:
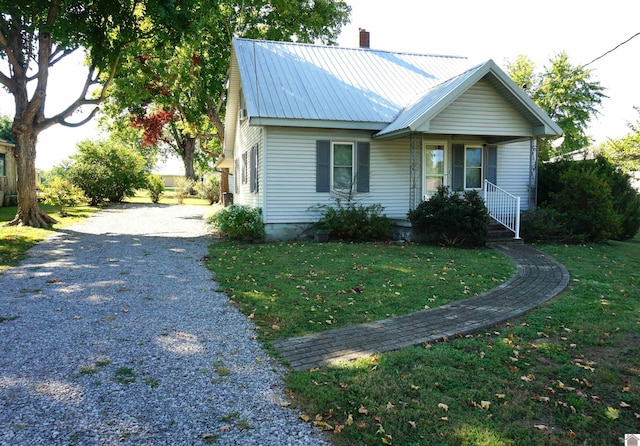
(345, 48)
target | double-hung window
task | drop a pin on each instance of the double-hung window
(473, 167)
(3, 165)
(342, 171)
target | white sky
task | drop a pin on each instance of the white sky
(491, 29)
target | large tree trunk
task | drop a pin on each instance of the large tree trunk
(188, 154)
(29, 213)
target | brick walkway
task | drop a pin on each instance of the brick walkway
(539, 278)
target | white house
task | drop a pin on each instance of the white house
(303, 121)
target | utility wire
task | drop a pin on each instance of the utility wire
(611, 50)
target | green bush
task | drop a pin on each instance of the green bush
(350, 221)
(544, 224)
(61, 193)
(451, 219)
(596, 197)
(239, 222)
(155, 187)
(107, 171)
(209, 189)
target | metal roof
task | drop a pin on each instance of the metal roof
(330, 83)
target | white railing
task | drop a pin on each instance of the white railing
(503, 207)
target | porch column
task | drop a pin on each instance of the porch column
(415, 170)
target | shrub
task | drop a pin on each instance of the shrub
(596, 197)
(451, 219)
(62, 193)
(107, 171)
(155, 187)
(239, 222)
(209, 189)
(350, 221)
(544, 224)
(184, 186)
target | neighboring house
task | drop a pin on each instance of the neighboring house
(8, 174)
(304, 121)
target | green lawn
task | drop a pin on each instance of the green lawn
(14, 241)
(566, 373)
(290, 289)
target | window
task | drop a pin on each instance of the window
(244, 168)
(433, 168)
(3, 165)
(342, 156)
(473, 168)
(253, 169)
(342, 165)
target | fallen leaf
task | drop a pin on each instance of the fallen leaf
(443, 419)
(501, 396)
(53, 281)
(415, 387)
(413, 424)
(390, 405)
(226, 428)
(528, 378)
(542, 427)
(338, 428)
(572, 434)
(443, 407)
(385, 441)
(305, 418)
(611, 413)
(363, 410)
(624, 405)
(344, 385)
(349, 420)
(285, 403)
(596, 399)
(637, 415)
(542, 399)
(485, 405)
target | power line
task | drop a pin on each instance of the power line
(612, 50)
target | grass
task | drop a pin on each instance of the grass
(15, 241)
(566, 373)
(291, 289)
(168, 197)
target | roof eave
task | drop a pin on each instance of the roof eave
(316, 123)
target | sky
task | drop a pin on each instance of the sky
(493, 29)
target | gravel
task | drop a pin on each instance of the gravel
(112, 332)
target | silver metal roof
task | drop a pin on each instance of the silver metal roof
(330, 83)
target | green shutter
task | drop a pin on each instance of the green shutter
(323, 166)
(458, 167)
(362, 158)
(492, 164)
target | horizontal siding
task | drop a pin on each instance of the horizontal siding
(291, 183)
(481, 110)
(247, 137)
(513, 170)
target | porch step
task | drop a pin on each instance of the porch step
(499, 235)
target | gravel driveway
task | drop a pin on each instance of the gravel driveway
(111, 332)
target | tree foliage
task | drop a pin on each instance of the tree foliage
(105, 170)
(176, 94)
(35, 35)
(5, 128)
(566, 92)
(625, 151)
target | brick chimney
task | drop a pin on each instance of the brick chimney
(364, 38)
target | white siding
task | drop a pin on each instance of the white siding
(247, 137)
(513, 170)
(481, 110)
(291, 180)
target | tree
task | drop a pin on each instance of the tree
(625, 151)
(35, 35)
(568, 95)
(177, 94)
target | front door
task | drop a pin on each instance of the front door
(434, 169)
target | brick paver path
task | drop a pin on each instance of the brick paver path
(539, 278)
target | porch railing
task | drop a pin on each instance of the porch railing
(503, 207)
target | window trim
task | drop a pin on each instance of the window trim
(243, 162)
(333, 166)
(482, 166)
(3, 171)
